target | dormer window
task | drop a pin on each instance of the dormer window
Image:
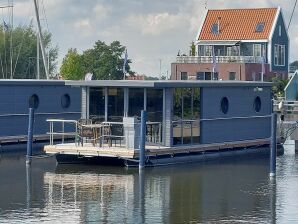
(215, 28)
(260, 27)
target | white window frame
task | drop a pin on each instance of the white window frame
(279, 55)
(208, 50)
(257, 48)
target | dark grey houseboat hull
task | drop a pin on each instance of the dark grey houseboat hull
(192, 157)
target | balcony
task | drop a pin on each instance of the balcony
(219, 59)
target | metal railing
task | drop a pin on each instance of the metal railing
(219, 59)
(61, 133)
(288, 107)
(154, 132)
(104, 134)
(186, 131)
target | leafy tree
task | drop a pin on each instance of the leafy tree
(23, 51)
(192, 51)
(72, 65)
(294, 63)
(279, 85)
(103, 61)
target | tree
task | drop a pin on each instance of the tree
(23, 49)
(72, 65)
(103, 61)
(294, 63)
(278, 86)
(192, 51)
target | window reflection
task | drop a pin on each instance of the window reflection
(136, 102)
(97, 104)
(186, 114)
(115, 104)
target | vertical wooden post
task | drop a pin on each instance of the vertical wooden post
(142, 139)
(30, 136)
(273, 145)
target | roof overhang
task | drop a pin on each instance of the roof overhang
(163, 84)
(217, 42)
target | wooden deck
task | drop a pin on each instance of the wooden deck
(24, 138)
(151, 150)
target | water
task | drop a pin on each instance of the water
(227, 191)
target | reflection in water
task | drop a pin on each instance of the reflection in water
(226, 191)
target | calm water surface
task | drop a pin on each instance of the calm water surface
(227, 191)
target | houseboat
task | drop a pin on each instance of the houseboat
(187, 121)
(49, 98)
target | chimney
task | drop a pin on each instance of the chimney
(218, 24)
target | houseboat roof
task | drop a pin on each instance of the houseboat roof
(165, 83)
(25, 82)
(238, 24)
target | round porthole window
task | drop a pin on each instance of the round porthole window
(224, 105)
(33, 101)
(65, 101)
(257, 104)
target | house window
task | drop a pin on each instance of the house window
(232, 75)
(260, 27)
(233, 51)
(215, 28)
(257, 50)
(184, 76)
(229, 51)
(200, 75)
(279, 55)
(208, 50)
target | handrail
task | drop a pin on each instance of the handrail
(62, 133)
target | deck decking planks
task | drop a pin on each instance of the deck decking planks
(90, 150)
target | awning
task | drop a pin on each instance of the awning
(215, 42)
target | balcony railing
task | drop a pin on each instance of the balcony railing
(219, 59)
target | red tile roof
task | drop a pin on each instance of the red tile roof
(238, 24)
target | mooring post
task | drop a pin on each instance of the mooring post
(273, 145)
(142, 139)
(30, 136)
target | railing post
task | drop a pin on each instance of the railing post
(142, 140)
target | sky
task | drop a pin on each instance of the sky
(152, 30)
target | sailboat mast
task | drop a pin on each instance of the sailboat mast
(37, 51)
(11, 30)
(41, 41)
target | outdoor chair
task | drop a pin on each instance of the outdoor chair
(84, 133)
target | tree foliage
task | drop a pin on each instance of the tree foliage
(23, 50)
(279, 85)
(192, 51)
(72, 65)
(103, 61)
(294, 63)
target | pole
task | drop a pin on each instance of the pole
(273, 145)
(37, 51)
(159, 69)
(30, 136)
(142, 139)
(43, 52)
(11, 53)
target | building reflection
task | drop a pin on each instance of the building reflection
(236, 190)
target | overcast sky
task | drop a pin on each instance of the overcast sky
(152, 30)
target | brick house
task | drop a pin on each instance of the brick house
(237, 44)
